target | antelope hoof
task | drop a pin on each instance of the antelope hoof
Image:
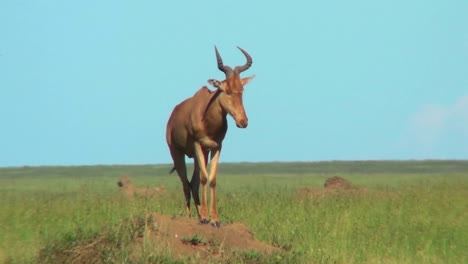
(216, 224)
(204, 221)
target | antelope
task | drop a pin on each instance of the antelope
(196, 129)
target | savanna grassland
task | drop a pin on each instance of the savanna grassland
(409, 212)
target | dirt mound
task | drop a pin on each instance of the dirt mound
(336, 182)
(129, 189)
(333, 186)
(159, 237)
(187, 237)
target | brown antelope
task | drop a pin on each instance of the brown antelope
(197, 127)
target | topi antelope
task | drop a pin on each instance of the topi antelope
(197, 127)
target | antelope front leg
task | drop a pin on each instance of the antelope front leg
(201, 159)
(212, 179)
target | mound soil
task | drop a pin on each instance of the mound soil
(333, 186)
(187, 237)
(337, 182)
(130, 190)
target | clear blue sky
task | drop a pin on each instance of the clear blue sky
(94, 82)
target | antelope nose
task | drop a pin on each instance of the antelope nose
(242, 124)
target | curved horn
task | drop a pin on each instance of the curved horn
(247, 65)
(226, 69)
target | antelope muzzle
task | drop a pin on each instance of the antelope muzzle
(242, 123)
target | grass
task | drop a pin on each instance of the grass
(193, 240)
(413, 212)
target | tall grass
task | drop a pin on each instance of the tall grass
(403, 217)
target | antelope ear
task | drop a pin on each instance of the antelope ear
(247, 80)
(217, 84)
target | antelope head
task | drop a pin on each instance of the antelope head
(229, 91)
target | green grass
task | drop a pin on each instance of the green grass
(413, 211)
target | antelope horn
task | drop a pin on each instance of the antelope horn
(247, 65)
(226, 69)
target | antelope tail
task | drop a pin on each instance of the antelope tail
(172, 170)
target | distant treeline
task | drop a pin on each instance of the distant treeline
(247, 168)
(331, 167)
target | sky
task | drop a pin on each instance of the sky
(94, 82)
